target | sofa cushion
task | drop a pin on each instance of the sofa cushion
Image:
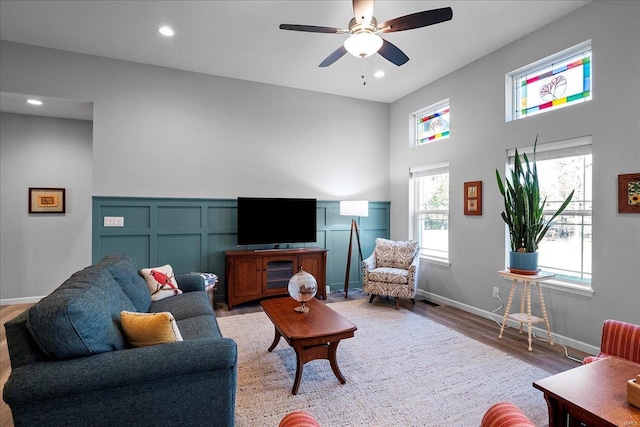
(143, 329)
(395, 254)
(81, 317)
(126, 273)
(389, 275)
(161, 282)
(199, 327)
(190, 304)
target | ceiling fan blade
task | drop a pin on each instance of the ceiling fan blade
(416, 20)
(335, 55)
(392, 53)
(312, 29)
(363, 11)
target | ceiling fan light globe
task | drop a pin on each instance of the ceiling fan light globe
(362, 45)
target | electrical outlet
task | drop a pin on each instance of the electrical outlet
(113, 221)
(496, 292)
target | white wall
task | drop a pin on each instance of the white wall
(171, 133)
(160, 132)
(40, 251)
(477, 146)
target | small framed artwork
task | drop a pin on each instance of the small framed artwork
(46, 200)
(629, 193)
(473, 198)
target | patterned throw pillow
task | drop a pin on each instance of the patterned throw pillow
(395, 254)
(143, 329)
(161, 282)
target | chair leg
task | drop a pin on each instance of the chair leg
(397, 303)
(371, 298)
(413, 301)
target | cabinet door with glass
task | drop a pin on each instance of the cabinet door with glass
(276, 272)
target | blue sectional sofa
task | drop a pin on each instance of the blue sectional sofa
(72, 365)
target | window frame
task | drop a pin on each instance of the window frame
(555, 150)
(512, 98)
(432, 111)
(416, 173)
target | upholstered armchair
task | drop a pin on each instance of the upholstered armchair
(391, 270)
(620, 339)
(505, 414)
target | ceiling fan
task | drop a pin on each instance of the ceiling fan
(364, 32)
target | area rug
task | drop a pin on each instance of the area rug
(401, 369)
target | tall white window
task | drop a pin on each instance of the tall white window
(554, 82)
(430, 185)
(431, 123)
(567, 247)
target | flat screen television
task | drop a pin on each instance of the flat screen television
(274, 221)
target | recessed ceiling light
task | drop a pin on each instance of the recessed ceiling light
(34, 102)
(165, 31)
(379, 74)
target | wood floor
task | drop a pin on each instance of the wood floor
(552, 359)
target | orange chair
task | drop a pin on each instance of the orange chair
(299, 419)
(505, 414)
(620, 339)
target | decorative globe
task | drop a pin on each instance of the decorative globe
(302, 287)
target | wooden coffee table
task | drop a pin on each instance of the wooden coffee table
(595, 394)
(313, 335)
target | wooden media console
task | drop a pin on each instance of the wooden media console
(255, 274)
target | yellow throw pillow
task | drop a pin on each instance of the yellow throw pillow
(161, 282)
(143, 329)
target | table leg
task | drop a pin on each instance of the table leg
(299, 368)
(506, 310)
(527, 289)
(557, 416)
(276, 340)
(544, 314)
(522, 299)
(333, 349)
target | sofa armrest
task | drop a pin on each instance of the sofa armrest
(118, 368)
(591, 359)
(415, 265)
(369, 263)
(190, 282)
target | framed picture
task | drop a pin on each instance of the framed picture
(46, 200)
(629, 193)
(473, 198)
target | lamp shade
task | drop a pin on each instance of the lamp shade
(354, 208)
(363, 44)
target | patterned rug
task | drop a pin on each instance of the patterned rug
(401, 370)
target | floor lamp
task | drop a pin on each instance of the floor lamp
(353, 208)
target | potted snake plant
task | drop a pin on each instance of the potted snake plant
(524, 212)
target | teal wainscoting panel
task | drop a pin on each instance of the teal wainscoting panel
(192, 234)
(137, 247)
(182, 251)
(222, 218)
(179, 216)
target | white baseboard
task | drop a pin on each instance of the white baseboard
(560, 339)
(25, 300)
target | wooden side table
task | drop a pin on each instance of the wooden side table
(525, 317)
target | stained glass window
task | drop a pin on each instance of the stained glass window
(553, 83)
(432, 123)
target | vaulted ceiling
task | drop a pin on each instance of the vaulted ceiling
(241, 39)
